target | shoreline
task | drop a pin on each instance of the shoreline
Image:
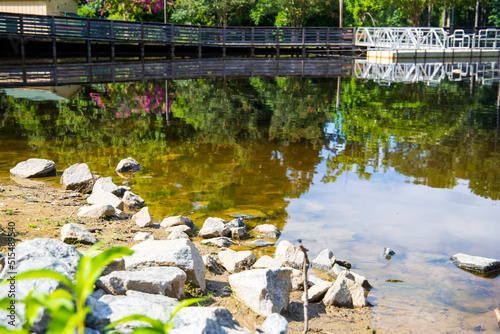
(39, 211)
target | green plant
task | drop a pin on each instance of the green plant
(10, 212)
(33, 225)
(156, 326)
(66, 307)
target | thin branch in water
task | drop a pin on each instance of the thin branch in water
(306, 297)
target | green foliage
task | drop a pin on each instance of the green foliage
(33, 225)
(67, 309)
(10, 212)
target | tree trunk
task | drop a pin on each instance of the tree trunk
(443, 18)
(429, 11)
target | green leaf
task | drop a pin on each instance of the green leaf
(156, 324)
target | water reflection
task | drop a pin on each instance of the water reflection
(341, 163)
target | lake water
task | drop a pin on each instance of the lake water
(347, 164)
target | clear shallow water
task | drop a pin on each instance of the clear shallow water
(412, 167)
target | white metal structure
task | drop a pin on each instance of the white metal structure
(431, 73)
(425, 39)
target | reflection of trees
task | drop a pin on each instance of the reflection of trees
(234, 143)
(436, 135)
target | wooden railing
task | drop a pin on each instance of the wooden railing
(70, 28)
(70, 74)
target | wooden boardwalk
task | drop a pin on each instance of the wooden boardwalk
(180, 69)
(55, 28)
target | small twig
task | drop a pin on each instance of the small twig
(497, 313)
(306, 297)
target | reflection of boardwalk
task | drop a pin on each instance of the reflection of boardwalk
(485, 73)
(54, 28)
(67, 74)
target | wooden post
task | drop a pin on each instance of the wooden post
(303, 42)
(112, 39)
(277, 41)
(199, 41)
(142, 41)
(172, 41)
(89, 46)
(224, 46)
(53, 32)
(328, 40)
(23, 49)
(253, 43)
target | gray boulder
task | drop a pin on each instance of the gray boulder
(122, 215)
(163, 300)
(71, 233)
(213, 320)
(219, 242)
(177, 220)
(265, 291)
(267, 230)
(79, 178)
(106, 184)
(345, 292)
(168, 281)
(34, 168)
(128, 165)
(213, 228)
(237, 261)
(335, 271)
(179, 253)
(476, 264)
(258, 243)
(275, 324)
(324, 261)
(132, 200)
(239, 233)
(143, 218)
(235, 223)
(96, 211)
(105, 197)
(110, 308)
(212, 265)
(123, 190)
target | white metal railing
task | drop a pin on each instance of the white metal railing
(431, 73)
(425, 39)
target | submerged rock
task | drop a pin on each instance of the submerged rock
(475, 263)
(388, 253)
(128, 165)
(34, 168)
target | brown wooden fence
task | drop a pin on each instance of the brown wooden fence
(98, 30)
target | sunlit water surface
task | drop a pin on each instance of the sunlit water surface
(411, 167)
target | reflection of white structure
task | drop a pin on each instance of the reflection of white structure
(484, 73)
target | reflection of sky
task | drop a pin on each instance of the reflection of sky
(357, 218)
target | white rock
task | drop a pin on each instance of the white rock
(122, 215)
(177, 234)
(177, 220)
(179, 253)
(128, 165)
(324, 261)
(335, 271)
(106, 184)
(180, 228)
(71, 233)
(266, 261)
(389, 253)
(236, 223)
(317, 291)
(267, 230)
(78, 177)
(239, 233)
(237, 261)
(213, 228)
(34, 168)
(289, 255)
(265, 291)
(213, 320)
(96, 211)
(143, 218)
(475, 263)
(345, 292)
(219, 242)
(104, 197)
(168, 281)
(165, 301)
(275, 324)
(132, 200)
(142, 236)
